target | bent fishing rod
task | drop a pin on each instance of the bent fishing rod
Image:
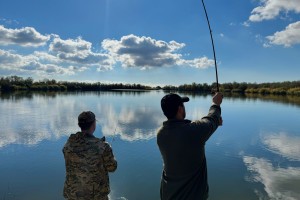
(213, 46)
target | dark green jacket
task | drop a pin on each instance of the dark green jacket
(181, 143)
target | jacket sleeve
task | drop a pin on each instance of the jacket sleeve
(209, 123)
(110, 162)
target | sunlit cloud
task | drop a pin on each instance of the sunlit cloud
(79, 51)
(279, 183)
(288, 37)
(270, 9)
(65, 57)
(70, 56)
(27, 36)
(30, 63)
(283, 144)
(145, 52)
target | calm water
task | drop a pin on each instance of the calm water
(254, 155)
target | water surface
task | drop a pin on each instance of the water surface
(254, 155)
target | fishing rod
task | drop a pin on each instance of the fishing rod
(113, 137)
(213, 46)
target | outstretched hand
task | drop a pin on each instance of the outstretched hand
(217, 99)
(220, 121)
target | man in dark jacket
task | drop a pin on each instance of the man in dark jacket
(182, 146)
(88, 160)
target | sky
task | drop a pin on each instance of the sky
(151, 42)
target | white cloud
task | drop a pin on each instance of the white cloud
(270, 9)
(279, 183)
(288, 37)
(76, 55)
(8, 59)
(145, 52)
(201, 63)
(64, 57)
(70, 46)
(79, 51)
(46, 57)
(27, 36)
(30, 63)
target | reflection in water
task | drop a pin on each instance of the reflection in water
(31, 121)
(133, 123)
(279, 182)
(292, 100)
(44, 120)
(284, 145)
(47, 117)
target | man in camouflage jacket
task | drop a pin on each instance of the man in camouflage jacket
(88, 160)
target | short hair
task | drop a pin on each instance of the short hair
(86, 120)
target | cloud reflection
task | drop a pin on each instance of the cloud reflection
(30, 121)
(279, 182)
(50, 117)
(284, 145)
(131, 124)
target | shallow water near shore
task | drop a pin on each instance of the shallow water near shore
(254, 155)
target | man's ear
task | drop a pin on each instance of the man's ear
(179, 111)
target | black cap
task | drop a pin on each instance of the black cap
(170, 102)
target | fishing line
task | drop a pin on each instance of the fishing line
(103, 138)
(213, 46)
(113, 137)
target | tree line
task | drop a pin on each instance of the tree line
(275, 88)
(13, 83)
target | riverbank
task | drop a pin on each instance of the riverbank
(15, 83)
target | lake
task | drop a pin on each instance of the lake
(254, 155)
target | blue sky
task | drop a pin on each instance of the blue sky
(150, 42)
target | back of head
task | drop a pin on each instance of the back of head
(86, 119)
(169, 104)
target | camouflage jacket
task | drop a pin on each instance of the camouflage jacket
(88, 160)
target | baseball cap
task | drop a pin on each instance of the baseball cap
(170, 102)
(86, 117)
